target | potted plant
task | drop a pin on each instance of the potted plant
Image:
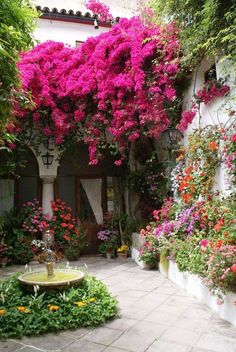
(149, 256)
(123, 251)
(74, 243)
(108, 245)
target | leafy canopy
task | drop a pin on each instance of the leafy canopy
(17, 23)
(207, 27)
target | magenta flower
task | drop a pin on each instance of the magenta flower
(204, 243)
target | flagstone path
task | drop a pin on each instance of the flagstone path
(155, 316)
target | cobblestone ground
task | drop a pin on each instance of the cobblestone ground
(156, 316)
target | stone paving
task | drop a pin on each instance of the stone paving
(155, 316)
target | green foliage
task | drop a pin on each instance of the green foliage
(86, 306)
(17, 23)
(19, 243)
(207, 27)
(188, 257)
(163, 260)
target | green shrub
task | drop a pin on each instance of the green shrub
(23, 314)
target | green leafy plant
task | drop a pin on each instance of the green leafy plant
(206, 27)
(24, 314)
(17, 23)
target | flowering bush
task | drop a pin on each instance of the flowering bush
(62, 223)
(195, 176)
(149, 252)
(220, 274)
(117, 83)
(100, 9)
(35, 222)
(200, 237)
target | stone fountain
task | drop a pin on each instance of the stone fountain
(51, 278)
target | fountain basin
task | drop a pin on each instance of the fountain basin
(62, 279)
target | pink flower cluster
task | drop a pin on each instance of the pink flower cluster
(117, 83)
(212, 91)
(205, 95)
(186, 119)
(99, 9)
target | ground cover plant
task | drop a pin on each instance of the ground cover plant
(24, 314)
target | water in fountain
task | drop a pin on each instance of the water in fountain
(51, 279)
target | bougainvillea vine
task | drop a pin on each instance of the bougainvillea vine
(118, 83)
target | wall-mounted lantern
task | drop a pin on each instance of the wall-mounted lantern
(47, 157)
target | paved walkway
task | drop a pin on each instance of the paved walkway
(156, 316)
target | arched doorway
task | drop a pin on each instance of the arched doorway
(88, 190)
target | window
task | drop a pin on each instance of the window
(78, 43)
(210, 75)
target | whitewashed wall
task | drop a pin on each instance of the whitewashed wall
(66, 32)
(214, 113)
(69, 32)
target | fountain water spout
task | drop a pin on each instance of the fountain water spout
(50, 259)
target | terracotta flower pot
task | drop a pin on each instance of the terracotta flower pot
(122, 254)
(149, 266)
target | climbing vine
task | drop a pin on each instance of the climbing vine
(116, 86)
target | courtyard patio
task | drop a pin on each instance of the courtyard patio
(155, 316)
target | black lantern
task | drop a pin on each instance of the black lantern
(47, 157)
(172, 137)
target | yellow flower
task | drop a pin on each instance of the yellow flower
(53, 308)
(2, 311)
(80, 304)
(93, 299)
(123, 249)
(23, 309)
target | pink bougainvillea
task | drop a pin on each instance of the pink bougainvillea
(118, 83)
(100, 9)
(211, 90)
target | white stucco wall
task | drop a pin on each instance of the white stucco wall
(70, 32)
(118, 8)
(66, 32)
(214, 113)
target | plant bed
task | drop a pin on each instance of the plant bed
(25, 314)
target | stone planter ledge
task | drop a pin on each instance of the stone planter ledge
(192, 284)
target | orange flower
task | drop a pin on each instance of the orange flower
(188, 169)
(219, 243)
(213, 146)
(2, 311)
(183, 185)
(53, 308)
(23, 309)
(218, 225)
(186, 197)
(233, 268)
